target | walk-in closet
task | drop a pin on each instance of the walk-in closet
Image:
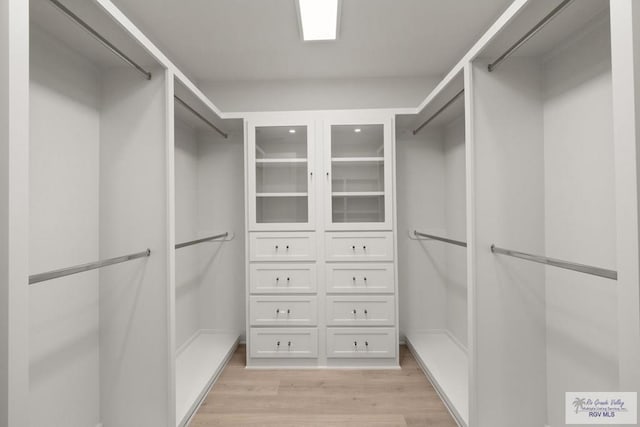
(319, 213)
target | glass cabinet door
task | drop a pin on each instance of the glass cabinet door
(280, 176)
(359, 176)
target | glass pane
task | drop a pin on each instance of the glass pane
(281, 142)
(357, 176)
(358, 209)
(357, 140)
(281, 177)
(282, 209)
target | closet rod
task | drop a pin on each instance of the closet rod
(206, 239)
(36, 278)
(106, 43)
(595, 271)
(437, 113)
(442, 239)
(532, 32)
(200, 116)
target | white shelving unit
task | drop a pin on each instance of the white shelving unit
(446, 365)
(198, 366)
(208, 308)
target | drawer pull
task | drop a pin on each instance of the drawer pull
(288, 311)
(354, 312)
(278, 343)
(365, 312)
(287, 248)
(365, 279)
(366, 344)
(355, 343)
(277, 279)
(354, 278)
(353, 247)
(289, 344)
(364, 248)
(288, 279)
(276, 247)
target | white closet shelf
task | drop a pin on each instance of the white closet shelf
(357, 159)
(446, 365)
(198, 365)
(282, 194)
(357, 194)
(282, 161)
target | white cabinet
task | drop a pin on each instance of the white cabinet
(280, 176)
(321, 241)
(358, 174)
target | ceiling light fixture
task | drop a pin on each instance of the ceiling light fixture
(319, 19)
(292, 131)
(357, 130)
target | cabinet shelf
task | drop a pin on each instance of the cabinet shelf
(357, 159)
(282, 194)
(358, 194)
(283, 161)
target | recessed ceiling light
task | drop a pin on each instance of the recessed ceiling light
(319, 19)
(357, 130)
(292, 131)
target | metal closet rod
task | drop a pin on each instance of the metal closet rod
(442, 239)
(200, 116)
(532, 32)
(206, 239)
(37, 278)
(437, 113)
(595, 271)
(106, 43)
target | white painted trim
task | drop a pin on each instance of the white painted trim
(171, 240)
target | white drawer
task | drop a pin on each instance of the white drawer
(282, 246)
(282, 278)
(360, 278)
(283, 342)
(364, 246)
(361, 311)
(361, 342)
(283, 310)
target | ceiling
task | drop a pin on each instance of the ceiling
(260, 40)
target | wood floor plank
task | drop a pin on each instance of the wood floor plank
(333, 398)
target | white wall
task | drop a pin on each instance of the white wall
(64, 193)
(292, 95)
(220, 209)
(188, 274)
(580, 218)
(456, 226)
(420, 178)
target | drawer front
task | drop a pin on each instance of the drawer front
(361, 342)
(283, 310)
(361, 311)
(282, 246)
(360, 278)
(283, 278)
(284, 343)
(365, 246)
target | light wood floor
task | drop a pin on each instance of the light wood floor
(306, 398)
